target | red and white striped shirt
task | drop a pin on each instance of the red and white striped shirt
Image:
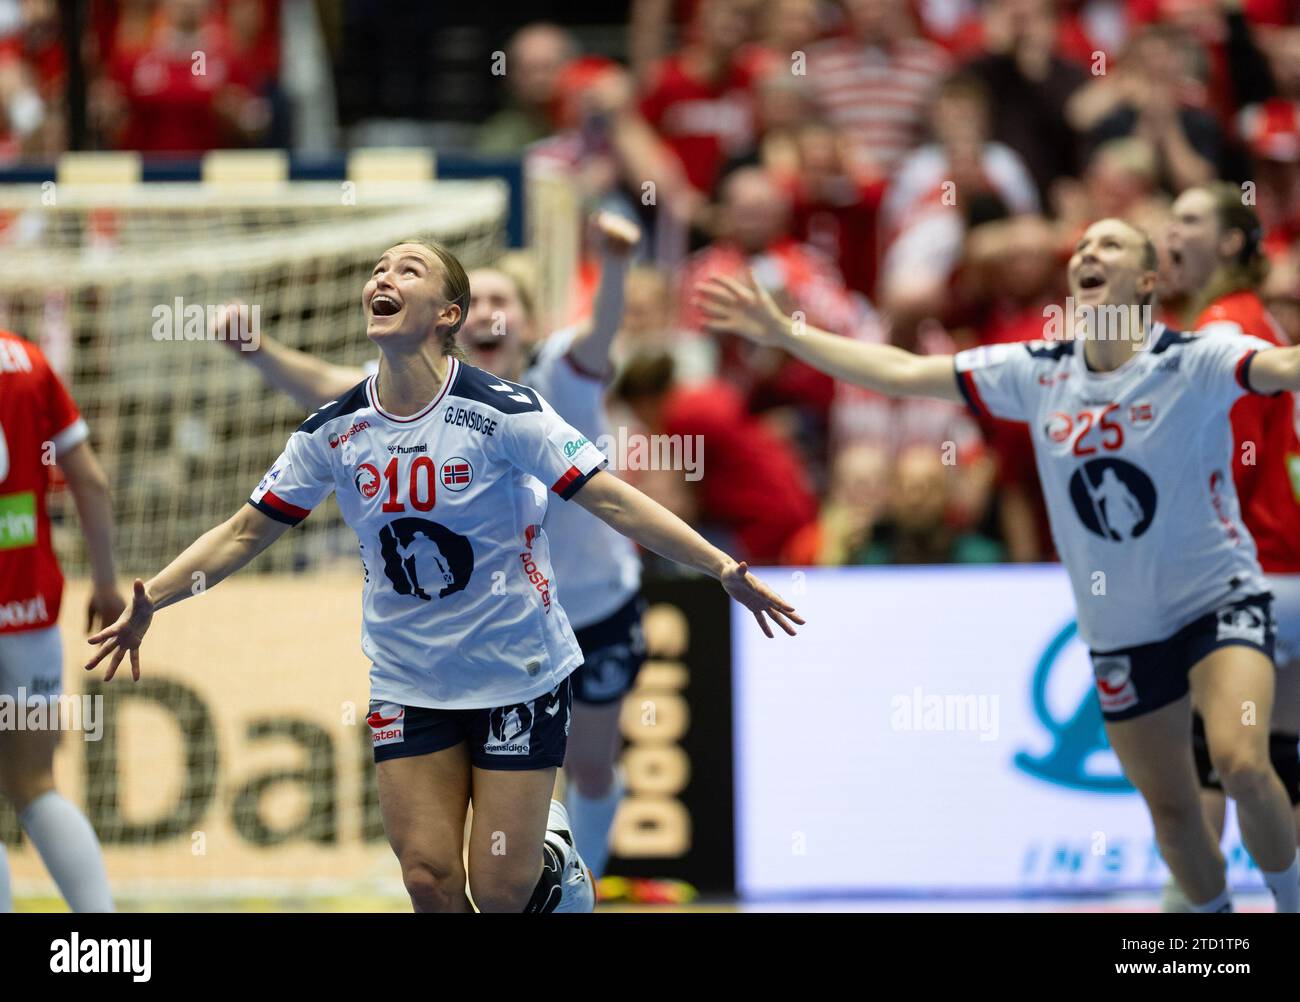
(877, 97)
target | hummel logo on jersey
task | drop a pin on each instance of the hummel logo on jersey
(408, 450)
(507, 388)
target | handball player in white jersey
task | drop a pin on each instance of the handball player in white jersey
(444, 471)
(597, 571)
(1135, 453)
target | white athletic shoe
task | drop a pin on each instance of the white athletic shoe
(578, 889)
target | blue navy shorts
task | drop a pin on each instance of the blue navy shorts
(613, 651)
(531, 735)
(1132, 681)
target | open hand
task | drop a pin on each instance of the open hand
(733, 306)
(759, 599)
(125, 635)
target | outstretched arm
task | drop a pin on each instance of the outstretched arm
(311, 381)
(617, 238)
(1276, 369)
(631, 513)
(211, 558)
(745, 308)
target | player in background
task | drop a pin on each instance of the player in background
(1174, 607)
(470, 692)
(1217, 262)
(597, 571)
(40, 425)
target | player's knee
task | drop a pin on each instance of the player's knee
(1245, 773)
(433, 886)
(1174, 811)
(503, 887)
(21, 788)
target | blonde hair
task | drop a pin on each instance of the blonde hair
(455, 289)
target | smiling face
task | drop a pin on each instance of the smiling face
(406, 296)
(498, 328)
(1111, 265)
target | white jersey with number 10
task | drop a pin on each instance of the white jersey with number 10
(459, 606)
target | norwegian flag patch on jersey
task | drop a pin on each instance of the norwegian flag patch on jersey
(457, 473)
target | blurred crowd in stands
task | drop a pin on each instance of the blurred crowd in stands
(913, 171)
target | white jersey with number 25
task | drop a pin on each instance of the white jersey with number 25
(1136, 469)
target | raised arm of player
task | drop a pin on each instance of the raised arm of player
(90, 492)
(617, 238)
(745, 308)
(211, 558)
(311, 381)
(1276, 369)
(639, 518)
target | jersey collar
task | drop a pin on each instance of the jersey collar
(372, 394)
(1153, 338)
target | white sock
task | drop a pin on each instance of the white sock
(1285, 885)
(6, 892)
(592, 818)
(1223, 903)
(70, 851)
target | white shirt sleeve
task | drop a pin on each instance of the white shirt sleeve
(544, 445)
(1219, 360)
(993, 379)
(296, 483)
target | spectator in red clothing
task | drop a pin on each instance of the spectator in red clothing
(786, 30)
(753, 489)
(876, 82)
(180, 95)
(755, 217)
(700, 101)
(834, 209)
